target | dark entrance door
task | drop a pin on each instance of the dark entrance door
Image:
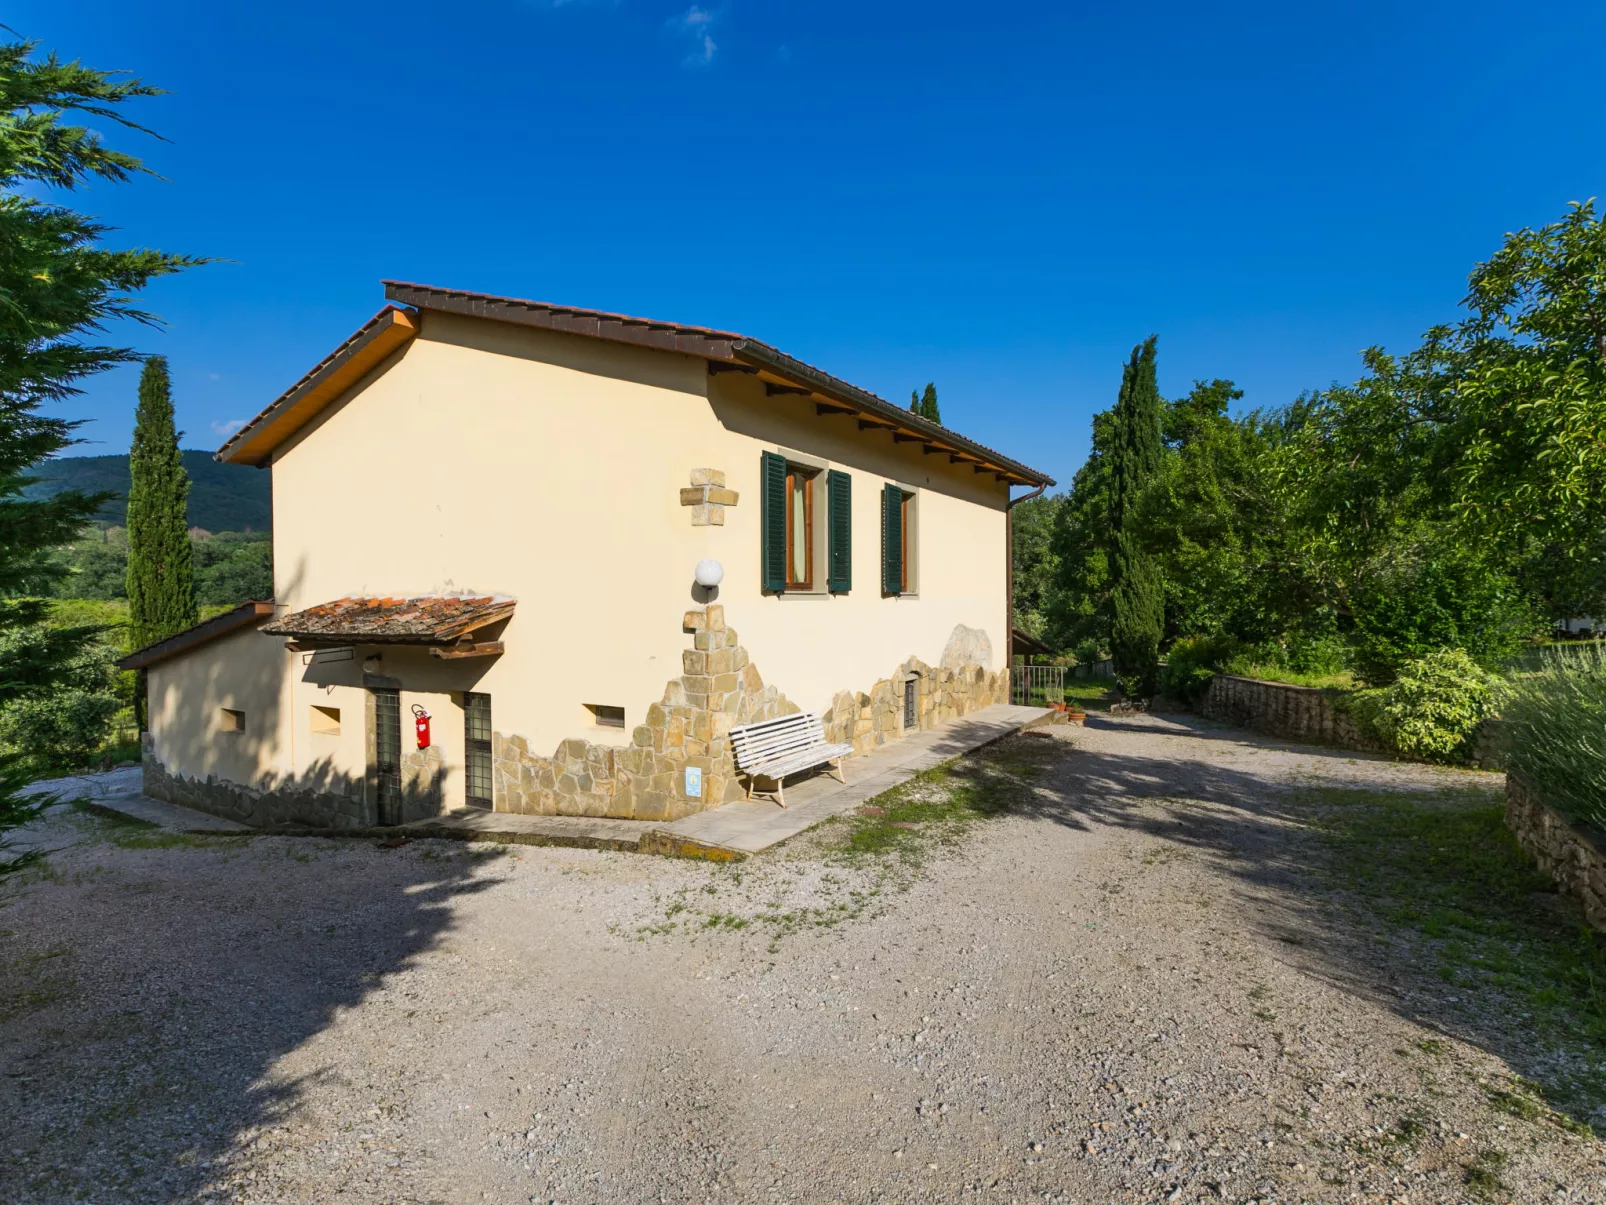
(477, 750)
(911, 715)
(387, 756)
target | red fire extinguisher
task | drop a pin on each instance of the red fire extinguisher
(421, 724)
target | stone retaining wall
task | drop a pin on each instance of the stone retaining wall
(1301, 712)
(1571, 855)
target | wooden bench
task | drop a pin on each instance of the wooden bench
(775, 748)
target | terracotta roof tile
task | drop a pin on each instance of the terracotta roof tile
(427, 620)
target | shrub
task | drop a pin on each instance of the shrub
(1555, 722)
(1318, 653)
(1192, 662)
(1431, 709)
(1088, 652)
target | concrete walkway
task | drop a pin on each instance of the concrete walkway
(723, 832)
(751, 827)
(748, 828)
(120, 791)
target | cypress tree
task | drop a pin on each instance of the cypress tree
(914, 401)
(161, 579)
(1137, 593)
(928, 404)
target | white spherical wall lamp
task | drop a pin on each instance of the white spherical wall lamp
(709, 573)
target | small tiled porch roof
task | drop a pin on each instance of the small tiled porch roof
(425, 620)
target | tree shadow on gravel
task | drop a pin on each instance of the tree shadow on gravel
(149, 981)
(1404, 889)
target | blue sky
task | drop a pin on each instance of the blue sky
(1001, 199)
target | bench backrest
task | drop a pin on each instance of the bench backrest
(755, 744)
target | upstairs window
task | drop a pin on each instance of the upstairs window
(805, 521)
(799, 527)
(900, 530)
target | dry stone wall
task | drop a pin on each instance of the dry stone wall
(690, 728)
(1301, 712)
(1568, 853)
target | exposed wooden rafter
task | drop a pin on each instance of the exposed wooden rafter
(715, 367)
(468, 648)
(771, 389)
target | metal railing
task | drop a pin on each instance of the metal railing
(1036, 685)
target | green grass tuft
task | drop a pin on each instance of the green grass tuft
(1441, 868)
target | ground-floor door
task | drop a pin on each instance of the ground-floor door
(386, 770)
(477, 750)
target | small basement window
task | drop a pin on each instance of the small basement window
(606, 716)
(325, 721)
(230, 720)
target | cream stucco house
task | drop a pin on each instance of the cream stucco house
(490, 513)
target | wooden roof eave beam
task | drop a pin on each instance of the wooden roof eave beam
(385, 332)
(468, 648)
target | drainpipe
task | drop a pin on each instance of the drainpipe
(1009, 572)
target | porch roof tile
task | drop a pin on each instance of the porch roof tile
(429, 619)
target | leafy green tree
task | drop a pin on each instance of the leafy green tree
(161, 581)
(1415, 600)
(1526, 373)
(95, 565)
(1036, 566)
(914, 401)
(1137, 590)
(60, 286)
(234, 568)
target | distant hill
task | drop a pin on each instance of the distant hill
(223, 497)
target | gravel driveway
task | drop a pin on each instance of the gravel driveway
(1138, 984)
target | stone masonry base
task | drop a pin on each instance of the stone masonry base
(260, 806)
(688, 729)
(719, 688)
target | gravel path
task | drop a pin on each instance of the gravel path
(1130, 988)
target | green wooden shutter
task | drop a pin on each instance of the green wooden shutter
(891, 540)
(839, 490)
(772, 520)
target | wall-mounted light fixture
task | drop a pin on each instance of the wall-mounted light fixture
(709, 573)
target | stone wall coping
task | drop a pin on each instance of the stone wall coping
(1594, 837)
(1315, 690)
